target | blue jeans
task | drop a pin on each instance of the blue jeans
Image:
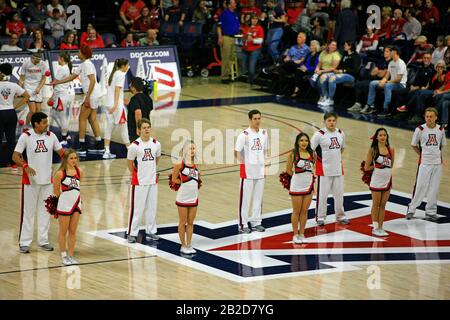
(273, 40)
(330, 82)
(388, 87)
(442, 105)
(250, 60)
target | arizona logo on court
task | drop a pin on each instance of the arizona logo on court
(332, 248)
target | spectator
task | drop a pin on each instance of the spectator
(362, 87)
(396, 25)
(202, 13)
(394, 79)
(175, 14)
(227, 28)
(12, 46)
(56, 25)
(430, 14)
(422, 47)
(328, 62)
(277, 19)
(145, 22)
(307, 67)
(37, 12)
(439, 52)
(251, 10)
(150, 39)
(5, 9)
(303, 22)
(368, 42)
(128, 41)
(318, 31)
(346, 72)
(130, 11)
(84, 35)
(412, 27)
(15, 25)
(251, 48)
(56, 5)
(94, 40)
(69, 42)
(346, 24)
(386, 21)
(156, 14)
(447, 52)
(39, 43)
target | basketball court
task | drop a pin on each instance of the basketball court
(339, 262)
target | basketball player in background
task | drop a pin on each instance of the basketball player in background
(329, 143)
(32, 79)
(428, 141)
(143, 157)
(251, 151)
(39, 144)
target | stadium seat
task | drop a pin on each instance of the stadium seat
(168, 33)
(108, 39)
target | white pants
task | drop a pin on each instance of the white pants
(325, 186)
(427, 183)
(33, 197)
(143, 202)
(251, 189)
(62, 117)
(110, 126)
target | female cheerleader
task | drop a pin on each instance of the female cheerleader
(62, 97)
(380, 159)
(92, 95)
(32, 79)
(186, 174)
(115, 117)
(302, 184)
(66, 186)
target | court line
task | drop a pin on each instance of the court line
(79, 264)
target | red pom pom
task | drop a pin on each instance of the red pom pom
(21, 122)
(172, 185)
(51, 203)
(367, 174)
(47, 73)
(50, 102)
(285, 180)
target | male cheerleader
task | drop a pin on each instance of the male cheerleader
(329, 143)
(427, 142)
(251, 150)
(143, 157)
(39, 144)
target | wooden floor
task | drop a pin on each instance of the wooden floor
(112, 269)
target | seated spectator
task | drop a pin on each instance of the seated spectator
(39, 43)
(386, 21)
(439, 52)
(250, 10)
(15, 25)
(422, 47)
(447, 53)
(56, 5)
(394, 79)
(307, 67)
(130, 11)
(5, 8)
(12, 46)
(318, 31)
(439, 86)
(37, 12)
(56, 25)
(430, 14)
(362, 87)
(84, 35)
(396, 25)
(150, 39)
(421, 81)
(346, 72)
(251, 47)
(328, 62)
(69, 42)
(412, 27)
(156, 14)
(202, 13)
(128, 41)
(175, 14)
(368, 43)
(146, 21)
(94, 40)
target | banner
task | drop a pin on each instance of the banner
(158, 63)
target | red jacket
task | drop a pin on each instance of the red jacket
(65, 46)
(97, 43)
(256, 32)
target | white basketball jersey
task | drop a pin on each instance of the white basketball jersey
(62, 72)
(252, 145)
(328, 146)
(144, 154)
(84, 70)
(430, 141)
(33, 73)
(39, 148)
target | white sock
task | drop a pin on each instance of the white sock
(98, 138)
(63, 254)
(81, 140)
(375, 224)
(107, 149)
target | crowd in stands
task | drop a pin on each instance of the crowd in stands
(322, 45)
